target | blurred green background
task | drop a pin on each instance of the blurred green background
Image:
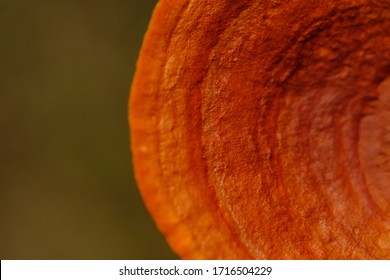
(67, 189)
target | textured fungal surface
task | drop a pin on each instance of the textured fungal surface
(261, 128)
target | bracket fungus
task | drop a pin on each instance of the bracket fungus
(260, 129)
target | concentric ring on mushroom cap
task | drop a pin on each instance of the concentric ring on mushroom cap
(261, 129)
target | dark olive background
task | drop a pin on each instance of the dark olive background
(67, 189)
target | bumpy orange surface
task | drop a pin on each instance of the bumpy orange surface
(261, 128)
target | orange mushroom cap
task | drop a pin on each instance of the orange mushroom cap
(261, 129)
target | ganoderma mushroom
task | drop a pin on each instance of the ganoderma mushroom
(260, 129)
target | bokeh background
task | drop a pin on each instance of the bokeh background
(67, 189)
